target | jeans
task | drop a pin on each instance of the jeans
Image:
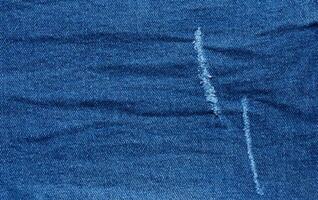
(167, 100)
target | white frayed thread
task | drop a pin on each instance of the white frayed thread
(205, 76)
(248, 138)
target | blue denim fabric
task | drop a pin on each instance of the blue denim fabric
(158, 100)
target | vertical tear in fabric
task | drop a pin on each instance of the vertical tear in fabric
(248, 138)
(204, 74)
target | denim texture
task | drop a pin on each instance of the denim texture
(158, 100)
